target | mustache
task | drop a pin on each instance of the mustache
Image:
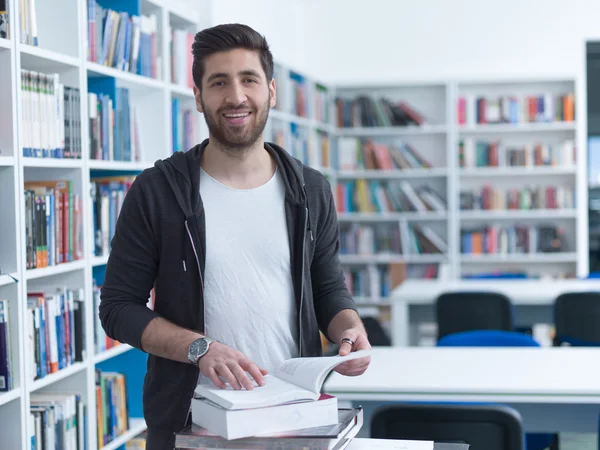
(234, 109)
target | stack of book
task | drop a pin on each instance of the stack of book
(289, 401)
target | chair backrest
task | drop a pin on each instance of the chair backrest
(483, 427)
(488, 338)
(576, 318)
(468, 311)
(377, 334)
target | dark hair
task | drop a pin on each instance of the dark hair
(226, 37)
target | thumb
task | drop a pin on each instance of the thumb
(345, 348)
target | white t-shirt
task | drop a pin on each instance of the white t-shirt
(249, 298)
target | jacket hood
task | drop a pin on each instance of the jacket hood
(182, 171)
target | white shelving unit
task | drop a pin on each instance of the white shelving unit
(62, 48)
(437, 140)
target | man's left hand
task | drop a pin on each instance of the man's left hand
(357, 341)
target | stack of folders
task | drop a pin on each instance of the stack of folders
(290, 400)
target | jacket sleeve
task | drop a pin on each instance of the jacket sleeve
(130, 272)
(330, 294)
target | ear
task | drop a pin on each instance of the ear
(197, 95)
(272, 93)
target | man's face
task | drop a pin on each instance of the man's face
(235, 98)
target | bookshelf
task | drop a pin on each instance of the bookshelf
(142, 98)
(477, 147)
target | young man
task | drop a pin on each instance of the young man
(239, 241)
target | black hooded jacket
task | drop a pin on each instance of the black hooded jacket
(160, 243)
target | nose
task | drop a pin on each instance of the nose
(236, 94)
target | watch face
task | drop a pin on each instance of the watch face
(199, 348)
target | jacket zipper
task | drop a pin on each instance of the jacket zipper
(187, 228)
(199, 272)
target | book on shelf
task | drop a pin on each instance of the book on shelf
(28, 23)
(366, 111)
(50, 116)
(512, 239)
(123, 41)
(108, 195)
(488, 198)
(321, 103)
(55, 331)
(53, 223)
(57, 420)
(102, 342)
(114, 125)
(289, 400)
(482, 153)
(184, 129)
(4, 25)
(375, 282)
(399, 238)
(516, 109)
(374, 196)
(112, 410)
(7, 368)
(359, 154)
(180, 43)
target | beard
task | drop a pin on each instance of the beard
(236, 138)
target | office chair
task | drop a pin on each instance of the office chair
(496, 338)
(483, 427)
(576, 318)
(466, 311)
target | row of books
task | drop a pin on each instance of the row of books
(108, 195)
(523, 199)
(53, 223)
(57, 421)
(180, 43)
(513, 239)
(50, 116)
(374, 281)
(111, 406)
(366, 111)
(369, 196)
(7, 369)
(514, 109)
(123, 41)
(390, 238)
(359, 154)
(184, 126)
(102, 342)
(28, 23)
(114, 127)
(312, 149)
(482, 153)
(55, 325)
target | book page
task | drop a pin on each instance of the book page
(274, 392)
(385, 444)
(310, 372)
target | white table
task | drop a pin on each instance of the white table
(554, 389)
(521, 292)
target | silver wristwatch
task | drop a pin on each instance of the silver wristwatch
(198, 349)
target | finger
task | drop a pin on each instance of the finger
(212, 374)
(256, 373)
(226, 373)
(345, 349)
(241, 376)
(264, 371)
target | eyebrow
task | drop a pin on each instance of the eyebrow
(247, 72)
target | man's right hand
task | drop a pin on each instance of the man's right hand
(232, 365)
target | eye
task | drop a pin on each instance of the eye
(250, 80)
(218, 83)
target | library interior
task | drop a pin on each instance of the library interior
(465, 187)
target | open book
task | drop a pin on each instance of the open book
(296, 379)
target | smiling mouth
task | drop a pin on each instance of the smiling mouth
(237, 118)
